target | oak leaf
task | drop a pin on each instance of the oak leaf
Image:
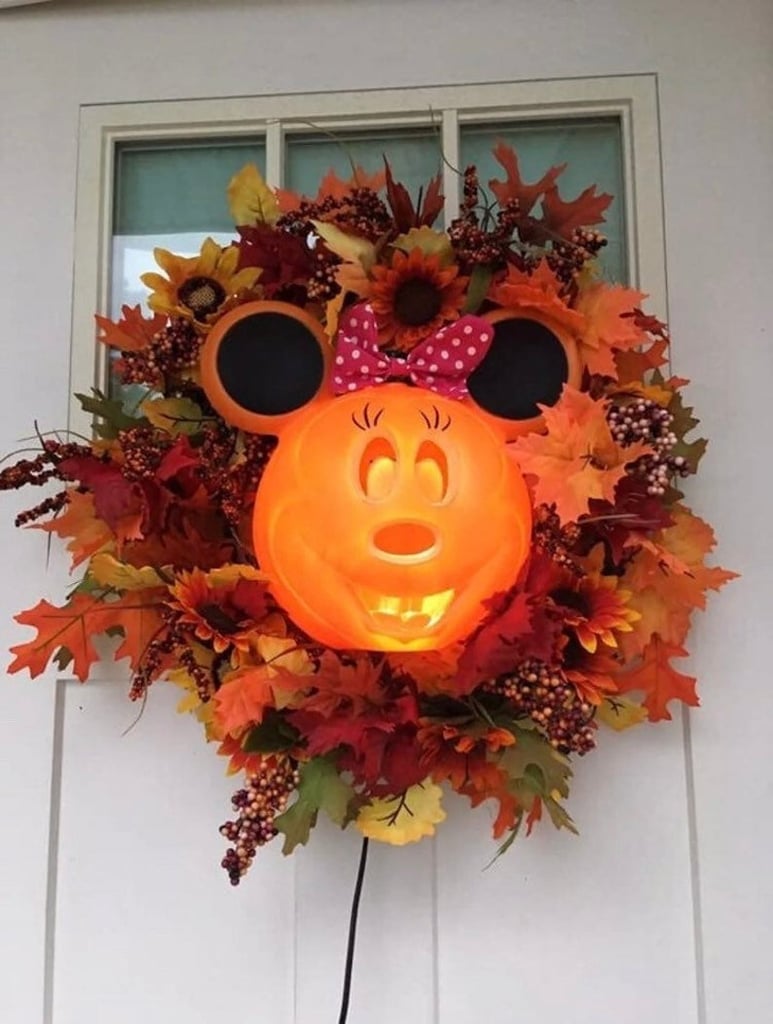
(109, 571)
(658, 680)
(321, 788)
(87, 532)
(83, 617)
(514, 187)
(561, 218)
(402, 819)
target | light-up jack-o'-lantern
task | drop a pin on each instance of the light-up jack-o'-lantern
(388, 512)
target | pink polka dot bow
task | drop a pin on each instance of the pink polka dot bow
(442, 362)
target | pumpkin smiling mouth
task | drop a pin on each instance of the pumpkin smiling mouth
(405, 615)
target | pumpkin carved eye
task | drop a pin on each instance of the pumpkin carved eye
(378, 469)
(432, 471)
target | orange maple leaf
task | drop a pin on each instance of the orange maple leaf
(576, 459)
(660, 683)
(79, 522)
(243, 698)
(75, 624)
(332, 186)
(539, 290)
(132, 332)
(561, 218)
(606, 329)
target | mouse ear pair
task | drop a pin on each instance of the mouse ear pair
(265, 360)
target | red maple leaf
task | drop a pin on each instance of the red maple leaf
(132, 332)
(658, 680)
(514, 187)
(115, 497)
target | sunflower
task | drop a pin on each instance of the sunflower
(596, 608)
(198, 288)
(224, 614)
(414, 296)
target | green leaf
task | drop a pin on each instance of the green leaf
(320, 789)
(273, 735)
(111, 411)
(480, 279)
(535, 761)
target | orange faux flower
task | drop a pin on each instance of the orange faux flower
(595, 609)
(224, 611)
(414, 297)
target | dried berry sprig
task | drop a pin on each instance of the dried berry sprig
(257, 805)
(545, 695)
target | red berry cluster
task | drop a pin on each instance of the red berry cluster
(567, 258)
(231, 465)
(173, 350)
(546, 696)
(262, 799)
(39, 471)
(143, 451)
(474, 242)
(557, 540)
(361, 211)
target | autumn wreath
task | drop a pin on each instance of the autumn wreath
(157, 508)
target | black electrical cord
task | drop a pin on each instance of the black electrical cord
(353, 934)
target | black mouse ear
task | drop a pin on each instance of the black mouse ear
(527, 364)
(261, 362)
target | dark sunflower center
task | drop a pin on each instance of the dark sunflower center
(571, 599)
(216, 617)
(202, 295)
(417, 301)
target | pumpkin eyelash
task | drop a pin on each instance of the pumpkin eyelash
(434, 423)
(367, 422)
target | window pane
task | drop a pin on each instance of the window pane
(414, 156)
(171, 196)
(165, 189)
(593, 152)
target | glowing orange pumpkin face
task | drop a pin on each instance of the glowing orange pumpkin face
(386, 517)
(394, 541)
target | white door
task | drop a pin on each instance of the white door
(114, 909)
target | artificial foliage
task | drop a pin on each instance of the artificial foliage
(156, 513)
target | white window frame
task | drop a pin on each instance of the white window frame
(632, 99)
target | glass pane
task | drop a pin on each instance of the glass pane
(164, 189)
(593, 151)
(414, 156)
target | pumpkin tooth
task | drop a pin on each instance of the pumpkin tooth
(408, 611)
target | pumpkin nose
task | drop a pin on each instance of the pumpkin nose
(405, 540)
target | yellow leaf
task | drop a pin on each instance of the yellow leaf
(403, 819)
(250, 200)
(620, 713)
(431, 243)
(228, 574)
(174, 415)
(350, 248)
(108, 571)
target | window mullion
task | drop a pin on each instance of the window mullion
(275, 154)
(451, 175)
